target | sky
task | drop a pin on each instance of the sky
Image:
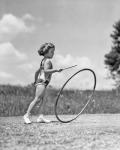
(80, 30)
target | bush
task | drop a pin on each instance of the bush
(14, 101)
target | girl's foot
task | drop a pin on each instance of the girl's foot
(26, 119)
(42, 119)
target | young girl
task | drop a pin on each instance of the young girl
(42, 78)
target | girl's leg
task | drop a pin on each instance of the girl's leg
(41, 104)
(40, 89)
(41, 117)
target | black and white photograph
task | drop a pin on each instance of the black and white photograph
(59, 74)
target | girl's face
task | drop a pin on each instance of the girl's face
(50, 53)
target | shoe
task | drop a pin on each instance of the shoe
(26, 119)
(42, 119)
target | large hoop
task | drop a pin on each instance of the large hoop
(89, 99)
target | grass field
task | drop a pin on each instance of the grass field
(14, 101)
(88, 132)
(97, 129)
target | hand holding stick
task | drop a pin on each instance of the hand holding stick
(66, 68)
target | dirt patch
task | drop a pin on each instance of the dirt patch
(88, 132)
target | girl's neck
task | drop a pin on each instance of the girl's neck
(45, 58)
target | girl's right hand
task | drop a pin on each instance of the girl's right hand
(59, 70)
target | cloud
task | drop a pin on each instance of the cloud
(47, 25)
(8, 51)
(17, 82)
(68, 60)
(103, 82)
(7, 78)
(10, 26)
(61, 61)
(81, 80)
(28, 68)
(5, 75)
(28, 17)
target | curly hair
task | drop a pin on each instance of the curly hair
(45, 48)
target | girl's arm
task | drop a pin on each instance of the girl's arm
(48, 68)
(36, 74)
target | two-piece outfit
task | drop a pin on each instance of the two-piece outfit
(43, 79)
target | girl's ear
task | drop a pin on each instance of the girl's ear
(40, 52)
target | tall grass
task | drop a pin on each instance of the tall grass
(14, 101)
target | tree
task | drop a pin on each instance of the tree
(112, 59)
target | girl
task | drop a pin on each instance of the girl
(42, 78)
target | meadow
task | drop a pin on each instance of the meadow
(14, 101)
(88, 132)
(96, 129)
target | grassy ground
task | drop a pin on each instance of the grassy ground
(70, 102)
(88, 132)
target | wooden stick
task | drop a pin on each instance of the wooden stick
(69, 67)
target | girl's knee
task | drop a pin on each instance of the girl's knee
(36, 99)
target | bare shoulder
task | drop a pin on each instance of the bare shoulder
(48, 64)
